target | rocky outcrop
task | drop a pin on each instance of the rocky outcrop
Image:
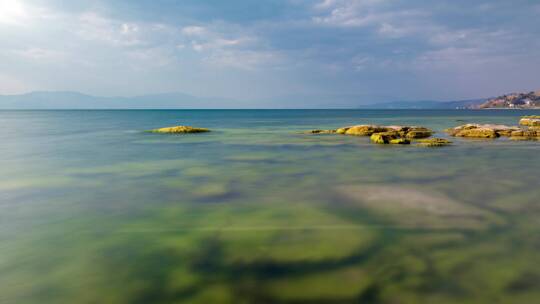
(398, 135)
(532, 121)
(481, 130)
(389, 137)
(433, 142)
(179, 130)
(494, 131)
(409, 132)
(529, 134)
(361, 130)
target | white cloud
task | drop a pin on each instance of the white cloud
(245, 59)
(13, 12)
(36, 53)
(194, 30)
(351, 13)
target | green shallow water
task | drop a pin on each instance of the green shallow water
(93, 210)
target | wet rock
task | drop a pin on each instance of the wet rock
(384, 137)
(322, 132)
(414, 206)
(180, 130)
(362, 130)
(533, 120)
(400, 141)
(525, 135)
(478, 133)
(434, 142)
(417, 132)
(481, 130)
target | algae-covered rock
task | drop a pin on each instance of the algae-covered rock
(180, 130)
(478, 133)
(533, 120)
(481, 130)
(384, 137)
(409, 132)
(322, 131)
(418, 132)
(400, 141)
(434, 142)
(525, 135)
(364, 130)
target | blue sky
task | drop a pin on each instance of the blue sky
(350, 51)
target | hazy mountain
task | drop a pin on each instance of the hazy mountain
(176, 100)
(75, 100)
(426, 104)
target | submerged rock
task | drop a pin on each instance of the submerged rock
(180, 130)
(533, 120)
(400, 141)
(414, 206)
(434, 142)
(322, 131)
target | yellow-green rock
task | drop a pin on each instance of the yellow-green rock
(400, 141)
(433, 142)
(525, 135)
(322, 131)
(364, 130)
(384, 137)
(481, 131)
(418, 132)
(530, 121)
(478, 133)
(180, 130)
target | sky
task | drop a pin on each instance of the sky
(350, 51)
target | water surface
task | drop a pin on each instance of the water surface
(94, 210)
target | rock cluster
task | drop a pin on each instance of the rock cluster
(531, 121)
(180, 130)
(399, 135)
(481, 130)
(530, 131)
(409, 132)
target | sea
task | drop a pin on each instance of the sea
(94, 209)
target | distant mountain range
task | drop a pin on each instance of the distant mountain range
(426, 104)
(75, 100)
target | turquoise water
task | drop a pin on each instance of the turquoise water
(94, 210)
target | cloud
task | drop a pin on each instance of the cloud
(13, 12)
(194, 30)
(40, 54)
(321, 45)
